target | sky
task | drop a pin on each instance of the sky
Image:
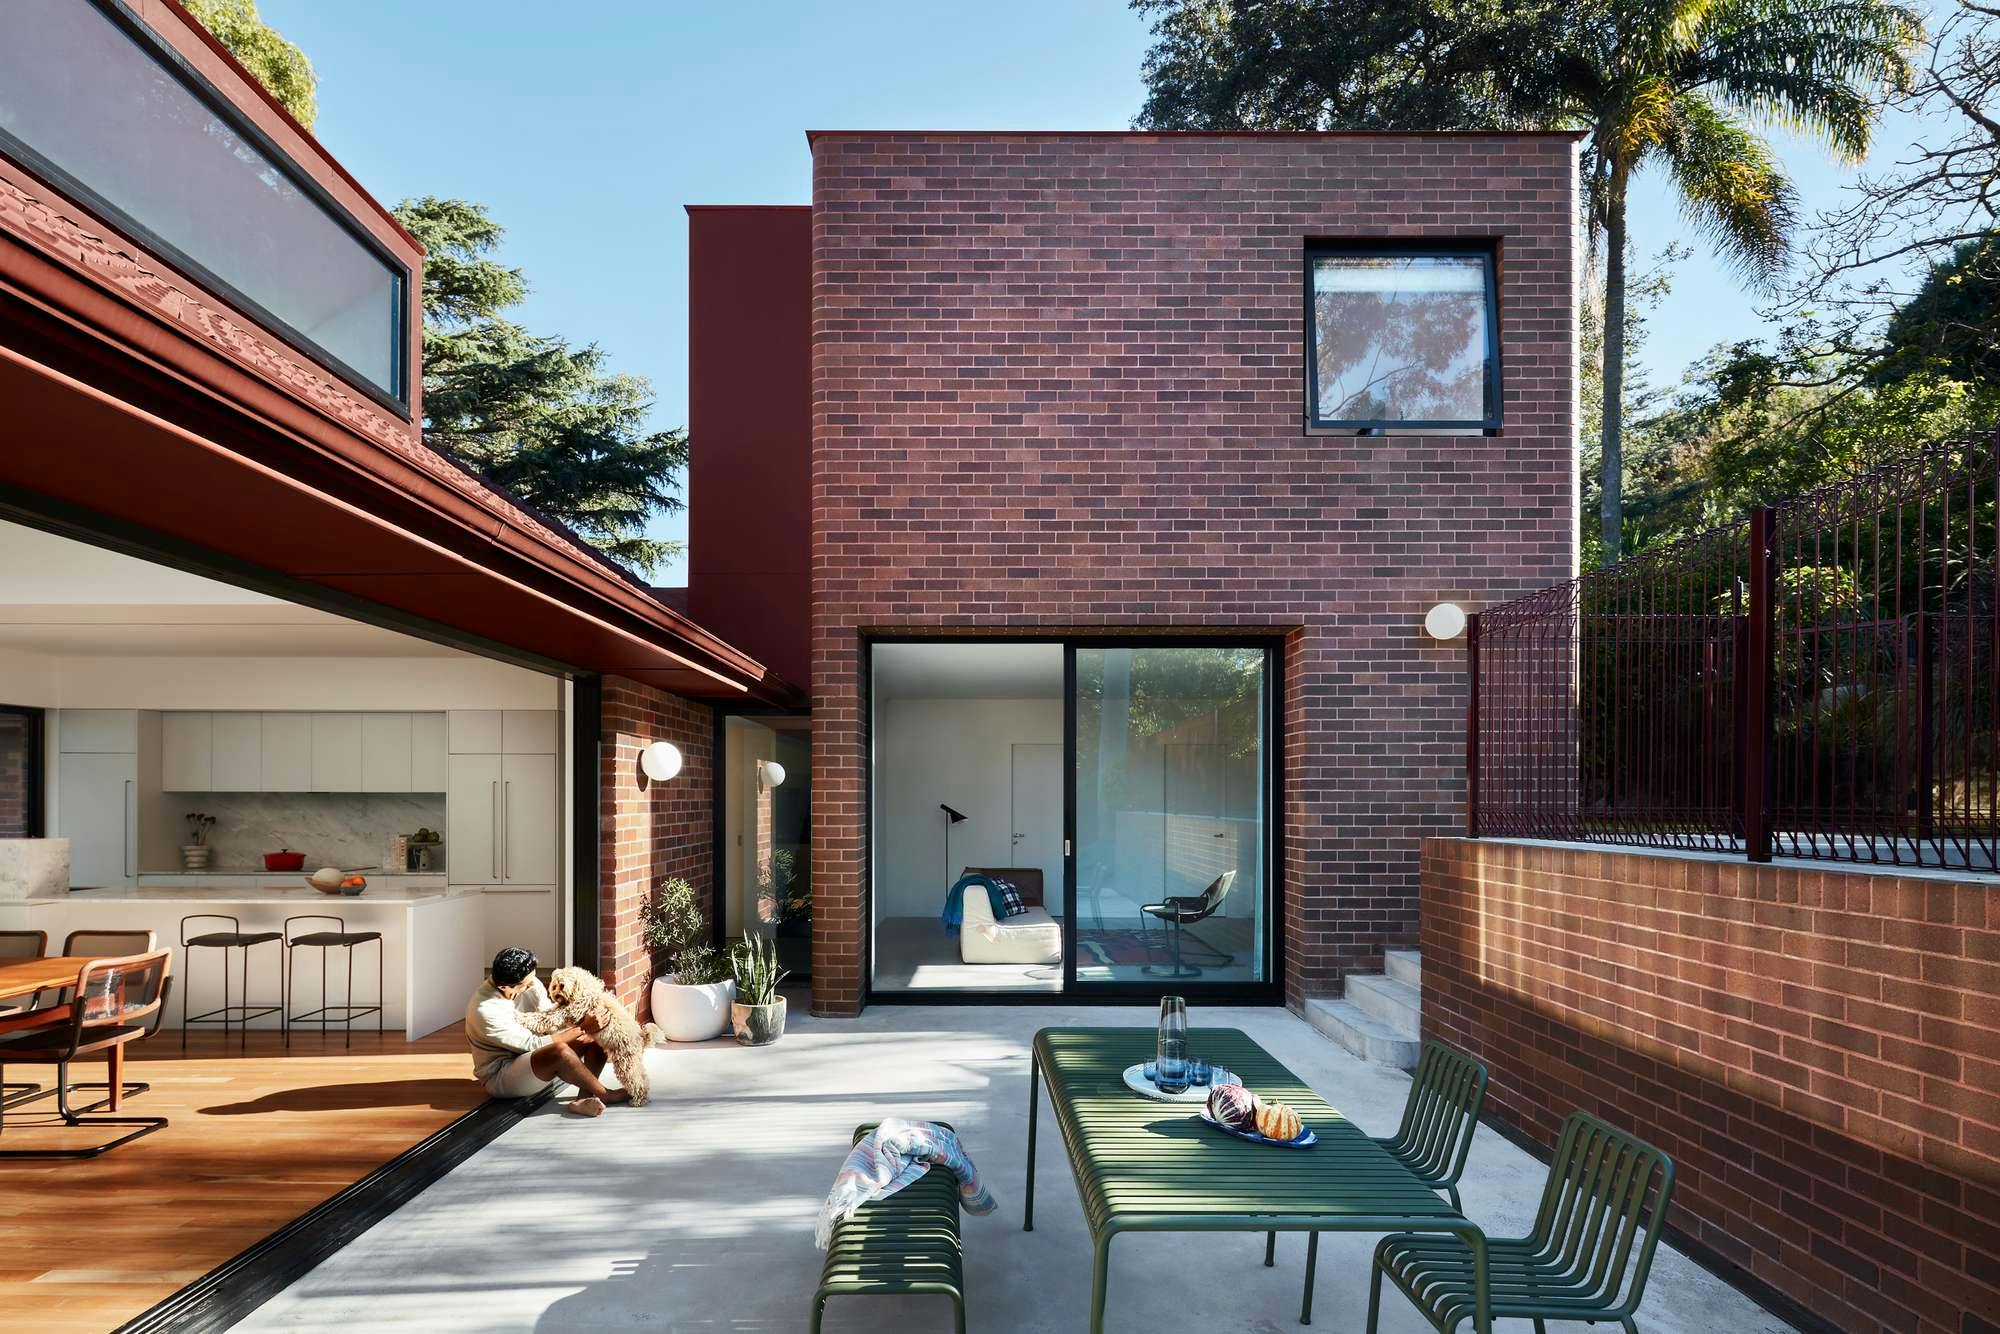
(586, 127)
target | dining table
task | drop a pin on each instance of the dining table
(55, 972)
(1150, 1166)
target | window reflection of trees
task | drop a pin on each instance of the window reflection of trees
(1398, 354)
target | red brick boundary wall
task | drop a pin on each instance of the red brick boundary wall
(648, 831)
(1057, 386)
(1817, 1049)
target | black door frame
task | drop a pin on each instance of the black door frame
(1269, 991)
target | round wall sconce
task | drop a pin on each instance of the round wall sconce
(1445, 621)
(660, 761)
(771, 773)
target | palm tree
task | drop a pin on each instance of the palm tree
(1687, 85)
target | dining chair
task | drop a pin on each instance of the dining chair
(15, 947)
(116, 943)
(1181, 912)
(114, 1001)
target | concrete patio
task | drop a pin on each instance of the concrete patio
(696, 1213)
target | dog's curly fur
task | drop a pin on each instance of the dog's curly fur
(578, 992)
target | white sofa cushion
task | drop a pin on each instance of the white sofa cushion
(1031, 937)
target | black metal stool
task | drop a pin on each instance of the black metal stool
(323, 941)
(241, 1013)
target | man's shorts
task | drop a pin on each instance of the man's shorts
(517, 1079)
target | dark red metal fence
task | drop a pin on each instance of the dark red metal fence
(1816, 681)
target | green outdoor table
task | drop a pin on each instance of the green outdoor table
(1146, 1166)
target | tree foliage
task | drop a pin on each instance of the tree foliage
(278, 64)
(544, 420)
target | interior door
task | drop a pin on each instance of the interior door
(1038, 817)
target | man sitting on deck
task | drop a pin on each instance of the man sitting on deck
(510, 1061)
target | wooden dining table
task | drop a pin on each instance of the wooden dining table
(25, 977)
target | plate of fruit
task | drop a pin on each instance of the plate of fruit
(1235, 1110)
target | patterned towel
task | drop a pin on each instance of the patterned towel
(889, 1158)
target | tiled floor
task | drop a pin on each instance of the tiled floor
(696, 1212)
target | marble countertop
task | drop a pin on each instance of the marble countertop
(270, 892)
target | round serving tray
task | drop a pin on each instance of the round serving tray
(1135, 1079)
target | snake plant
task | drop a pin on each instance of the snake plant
(754, 961)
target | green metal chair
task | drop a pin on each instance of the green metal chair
(1606, 1198)
(903, 1245)
(1439, 1117)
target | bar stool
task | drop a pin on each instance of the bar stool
(339, 938)
(234, 938)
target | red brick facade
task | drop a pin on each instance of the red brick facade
(648, 831)
(1818, 1050)
(1057, 386)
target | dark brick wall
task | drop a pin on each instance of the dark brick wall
(1057, 386)
(20, 767)
(649, 831)
(1818, 1051)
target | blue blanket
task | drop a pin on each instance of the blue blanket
(954, 901)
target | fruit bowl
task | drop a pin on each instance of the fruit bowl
(333, 881)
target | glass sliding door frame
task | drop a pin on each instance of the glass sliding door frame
(1267, 990)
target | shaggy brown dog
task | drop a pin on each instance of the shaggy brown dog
(578, 992)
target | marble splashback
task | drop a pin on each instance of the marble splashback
(331, 829)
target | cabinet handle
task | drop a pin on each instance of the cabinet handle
(506, 816)
(493, 808)
(125, 832)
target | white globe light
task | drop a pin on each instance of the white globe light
(772, 772)
(661, 760)
(1445, 621)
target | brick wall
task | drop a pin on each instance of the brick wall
(649, 831)
(1818, 1050)
(1057, 387)
(18, 737)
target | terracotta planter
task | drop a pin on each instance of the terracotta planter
(758, 1025)
(692, 1014)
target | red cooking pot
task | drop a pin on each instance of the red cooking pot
(284, 861)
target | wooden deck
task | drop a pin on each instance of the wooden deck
(256, 1139)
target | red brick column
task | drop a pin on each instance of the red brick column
(648, 831)
(1817, 1049)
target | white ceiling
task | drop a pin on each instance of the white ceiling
(986, 670)
(63, 598)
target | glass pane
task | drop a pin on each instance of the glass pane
(767, 835)
(17, 775)
(1400, 338)
(85, 95)
(967, 755)
(1170, 810)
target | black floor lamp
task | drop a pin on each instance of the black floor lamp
(951, 817)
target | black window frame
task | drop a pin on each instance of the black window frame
(121, 16)
(1486, 251)
(35, 775)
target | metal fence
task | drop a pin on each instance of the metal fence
(1817, 681)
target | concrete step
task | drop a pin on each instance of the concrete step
(1404, 966)
(1396, 1005)
(1361, 1034)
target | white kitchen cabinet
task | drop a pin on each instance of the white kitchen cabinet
(336, 752)
(529, 732)
(472, 820)
(186, 752)
(475, 731)
(530, 849)
(427, 752)
(385, 752)
(285, 744)
(98, 731)
(522, 915)
(236, 756)
(98, 808)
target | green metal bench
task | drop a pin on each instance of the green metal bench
(905, 1244)
(1607, 1193)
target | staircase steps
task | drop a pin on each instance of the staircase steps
(1380, 1018)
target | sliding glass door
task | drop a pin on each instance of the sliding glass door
(1169, 781)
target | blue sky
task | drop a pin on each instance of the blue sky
(585, 128)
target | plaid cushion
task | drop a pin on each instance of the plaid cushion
(1011, 902)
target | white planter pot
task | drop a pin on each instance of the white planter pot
(692, 1014)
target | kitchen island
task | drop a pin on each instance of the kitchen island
(433, 938)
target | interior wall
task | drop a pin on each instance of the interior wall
(957, 751)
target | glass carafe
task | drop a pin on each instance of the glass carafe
(1171, 1056)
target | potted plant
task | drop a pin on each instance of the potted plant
(194, 852)
(758, 1013)
(691, 1000)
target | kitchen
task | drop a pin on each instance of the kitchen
(203, 749)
